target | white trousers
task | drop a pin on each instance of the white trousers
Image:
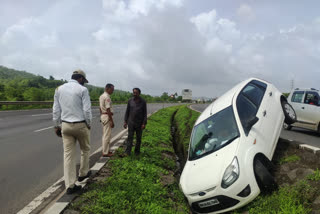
(106, 137)
(71, 133)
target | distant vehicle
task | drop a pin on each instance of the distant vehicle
(186, 95)
(306, 104)
(231, 147)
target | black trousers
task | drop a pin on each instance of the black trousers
(131, 131)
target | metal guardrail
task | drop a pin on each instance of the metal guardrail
(33, 102)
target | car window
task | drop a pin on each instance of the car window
(213, 134)
(311, 98)
(248, 103)
(253, 93)
(297, 96)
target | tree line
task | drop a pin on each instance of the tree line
(23, 86)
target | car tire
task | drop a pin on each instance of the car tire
(286, 126)
(264, 178)
(289, 113)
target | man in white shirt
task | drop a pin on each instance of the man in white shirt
(106, 112)
(72, 119)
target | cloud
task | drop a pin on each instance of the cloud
(246, 13)
(159, 47)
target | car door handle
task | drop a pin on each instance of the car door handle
(264, 113)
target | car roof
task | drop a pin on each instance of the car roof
(223, 101)
(305, 89)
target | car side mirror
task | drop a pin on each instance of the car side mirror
(251, 122)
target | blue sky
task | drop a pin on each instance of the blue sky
(165, 45)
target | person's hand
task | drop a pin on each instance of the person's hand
(125, 125)
(111, 124)
(57, 130)
(143, 126)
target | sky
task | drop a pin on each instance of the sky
(207, 46)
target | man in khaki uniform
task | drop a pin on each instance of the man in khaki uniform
(72, 119)
(106, 112)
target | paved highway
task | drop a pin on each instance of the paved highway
(296, 134)
(31, 155)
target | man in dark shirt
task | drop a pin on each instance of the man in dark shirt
(135, 119)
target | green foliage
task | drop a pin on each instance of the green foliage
(135, 185)
(291, 158)
(287, 200)
(22, 86)
(315, 176)
(184, 121)
(286, 94)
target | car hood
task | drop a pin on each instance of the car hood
(205, 173)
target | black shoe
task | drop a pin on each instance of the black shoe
(74, 189)
(81, 178)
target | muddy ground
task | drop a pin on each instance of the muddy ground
(292, 172)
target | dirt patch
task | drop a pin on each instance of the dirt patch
(289, 173)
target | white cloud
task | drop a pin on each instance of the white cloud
(246, 13)
(159, 47)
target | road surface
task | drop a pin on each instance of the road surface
(31, 155)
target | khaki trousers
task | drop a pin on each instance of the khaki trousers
(106, 137)
(71, 133)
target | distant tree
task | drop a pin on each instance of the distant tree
(164, 96)
(51, 78)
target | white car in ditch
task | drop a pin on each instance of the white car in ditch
(231, 147)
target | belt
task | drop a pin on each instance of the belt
(83, 121)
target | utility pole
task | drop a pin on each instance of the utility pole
(292, 84)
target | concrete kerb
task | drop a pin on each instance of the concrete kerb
(60, 202)
(65, 199)
(56, 193)
(300, 145)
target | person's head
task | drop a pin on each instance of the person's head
(80, 76)
(136, 92)
(109, 88)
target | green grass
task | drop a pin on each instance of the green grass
(291, 158)
(294, 199)
(314, 176)
(136, 184)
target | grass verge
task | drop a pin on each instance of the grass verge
(144, 183)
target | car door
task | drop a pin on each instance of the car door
(310, 110)
(298, 105)
(251, 102)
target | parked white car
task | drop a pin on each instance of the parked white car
(231, 147)
(306, 103)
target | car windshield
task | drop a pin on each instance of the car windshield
(213, 133)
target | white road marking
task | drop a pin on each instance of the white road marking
(37, 115)
(39, 130)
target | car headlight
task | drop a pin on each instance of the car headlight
(231, 174)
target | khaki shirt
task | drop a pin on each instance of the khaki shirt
(105, 103)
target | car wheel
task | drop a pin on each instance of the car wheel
(286, 126)
(264, 178)
(289, 113)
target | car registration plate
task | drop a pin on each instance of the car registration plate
(208, 203)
